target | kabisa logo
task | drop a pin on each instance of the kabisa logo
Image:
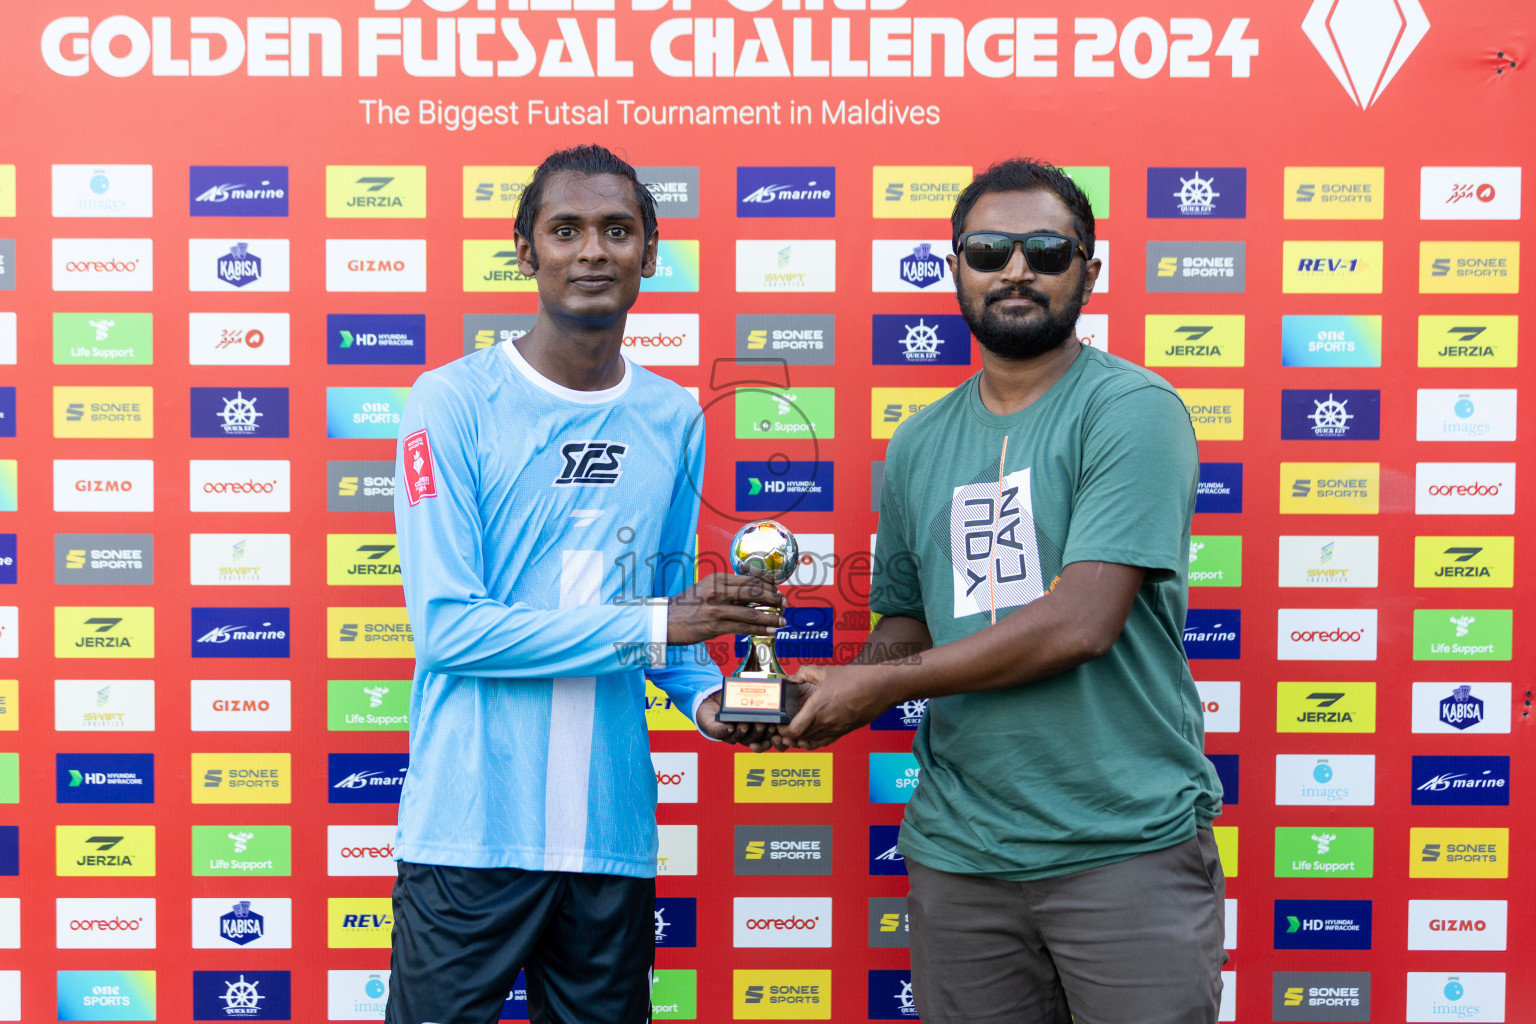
(394, 339)
(1331, 268)
(1213, 633)
(906, 716)
(1330, 341)
(366, 778)
(1220, 488)
(241, 995)
(239, 266)
(783, 849)
(591, 463)
(910, 265)
(241, 778)
(240, 633)
(1365, 47)
(1322, 924)
(1334, 193)
(884, 857)
(1199, 193)
(786, 191)
(1469, 193)
(1461, 710)
(900, 340)
(1197, 266)
(241, 925)
(1321, 996)
(676, 922)
(240, 412)
(1335, 780)
(239, 191)
(890, 996)
(104, 778)
(108, 850)
(803, 778)
(1476, 781)
(806, 633)
(1332, 415)
(922, 268)
(781, 486)
(257, 264)
(1458, 853)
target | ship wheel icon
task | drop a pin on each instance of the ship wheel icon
(1196, 193)
(921, 339)
(239, 414)
(241, 995)
(1330, 415)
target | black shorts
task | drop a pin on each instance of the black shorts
(461, 934)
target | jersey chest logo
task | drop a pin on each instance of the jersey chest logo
(591, 463)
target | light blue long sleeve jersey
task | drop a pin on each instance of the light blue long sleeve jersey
(534, 524)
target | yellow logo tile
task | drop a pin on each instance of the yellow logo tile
(1330, 488)
(784, 779)
(1492, 341)
(1334, 193)
(10, 707)
(491, 266)
(1458, 853)
(1226, 848)
(1325, 707)
(362, 559)
(359, 922)
(387, 192)
(368, 633)
(781, 995)
(113, 851)
(1469, 268)
(1195, 340)
(7, 190)
(93, 632)
(660, 713)
(242, 778)
(1464, 561)
(1331, 268)
(918, 192)
(1217, 413)
(891, 407)
(495, 191)
(103, 412)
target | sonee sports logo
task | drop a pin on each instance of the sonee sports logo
(591, 463)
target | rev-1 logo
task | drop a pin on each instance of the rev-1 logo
(594, 463)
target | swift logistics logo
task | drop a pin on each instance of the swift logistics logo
(100, 705)
(1197, 193)
(1463, 925)
(781, 995)
(1328, 561)
(494, 190)
(1462, 709)
(1322, 924)
(98, 632)
(1463, 562)
(241, 851)
(1469, 268)
(240, 633)
(1458, 853)
(1330, 488)
(786, 191)
(1469, 341)
(1325, 852)
(1469, 781)
(1331, 415)
(239, 412)
(1214, 633)
(104, 778)
(1469, 193)
(365, 778)
(109, 851)
(364, 412)
(376, 339)
(1326, 634)
(102, 558)
(1331, 268)
(1321, 996)
(215, 191)
(1365, 49)
(240, 560)
(1334, 193)
(783, 849)
(800, 779)
(376, 264)
(1330, 780)
(1463, 634)
(1197, 266)
(240, 265)
(1325, 707)
(359, 923)
(808, 339)
(789, 265)
(378, 192)
(1330, 340)
(900, 340)
(368, 633)
(103, 339)
(95, 412)
(1194, 340)
(241, 778)
(1216, 413)
(912, 193)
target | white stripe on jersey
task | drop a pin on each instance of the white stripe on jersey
(570, 730)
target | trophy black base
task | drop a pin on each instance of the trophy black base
(758, 699)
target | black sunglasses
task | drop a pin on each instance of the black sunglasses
(1045, 251)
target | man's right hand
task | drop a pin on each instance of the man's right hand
(722, 603)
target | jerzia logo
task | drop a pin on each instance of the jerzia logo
(591, 463)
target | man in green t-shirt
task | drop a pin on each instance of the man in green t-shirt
(1031, 571)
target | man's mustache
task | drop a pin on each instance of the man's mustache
(999, 294)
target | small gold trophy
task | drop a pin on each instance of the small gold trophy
(759, 690)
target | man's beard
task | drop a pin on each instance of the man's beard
(1021, 336)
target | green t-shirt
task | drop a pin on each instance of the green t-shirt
(1096, 764)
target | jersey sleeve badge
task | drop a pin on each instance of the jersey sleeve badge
(420, 478)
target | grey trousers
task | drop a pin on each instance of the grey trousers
(1138, 942)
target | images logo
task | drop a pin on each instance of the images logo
(1217, 413)
(1331, 268)
(1469, 193)
(1458, 853)
(1197, 266)
(1469, 268)
(1325, 707)
(237, 339)
(105, 850)
(1321, 996)
(103, 190)
(911, 193)
(359, 923)
(801, 779)
(1458, 924)
(783, 849)
(915, 341)
(375, 191)
(1180, 192)
(376, 264)
(1321, 488)
(773, 265)
(1460, 781)
(1466, 995)
(396, 339)
(103, 339)
(238, 191)
(494, 191)
(1365, 50)
(1335, 780)
(1213, 633)
(1446, 634)
(1212, 340)
(242, 850)
(104, 778)
(1330, 341)
(1470, 415)
(675, 189)
(1220, 488)
(368, 633)
(242, 779)
(356, 995)
(1322, 924)
(1461, 708)
(242, 265)
(91, 265)
(95, 632)
(366, 778)
(786, 191)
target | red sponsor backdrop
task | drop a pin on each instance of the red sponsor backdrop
(1264, 99)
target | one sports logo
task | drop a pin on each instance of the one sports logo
(594, 463)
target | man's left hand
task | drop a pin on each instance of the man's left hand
(756, 736)
(845, 698)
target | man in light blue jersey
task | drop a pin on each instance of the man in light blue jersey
(546, 507)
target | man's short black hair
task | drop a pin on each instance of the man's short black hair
(1027, 176)
(586, 162)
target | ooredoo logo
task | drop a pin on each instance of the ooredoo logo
(798, 923)
(1464, 488)
(662, 339)
(1327, 634)
(360, 850)
(244, 485)
(103, 264)
(677, 778)
(95, 923)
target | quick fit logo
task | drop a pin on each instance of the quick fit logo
(676, 922)
(1332, 415)
(1197, 193)
(238, 191)
(942, 340)
(239, 412)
